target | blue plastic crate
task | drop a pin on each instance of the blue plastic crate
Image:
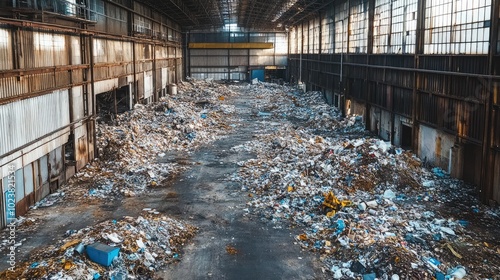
(102, 253)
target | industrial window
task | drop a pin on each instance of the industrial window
(358, 32)
(395, 24)
(306, 38)
(281, 44)
(457, 27)
(382, 26)
(314, 36)
(327, 31)
(300, 37)
(294, 49)
(341, 18)
(142, 25)
(404, 26)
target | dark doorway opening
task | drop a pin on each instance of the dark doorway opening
(111, 103)
(276, 76)
(406, 137)
(472, 163)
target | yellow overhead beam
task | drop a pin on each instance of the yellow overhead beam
(231, 45)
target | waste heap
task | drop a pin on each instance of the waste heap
(367, 207)
(133, 147)
(145, 244)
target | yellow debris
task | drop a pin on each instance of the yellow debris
(333, 204)
(303, 237)
(68, 265)
(290, 189)
(453, 251)
(69, 244)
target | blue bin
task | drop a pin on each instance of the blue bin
(102, 253)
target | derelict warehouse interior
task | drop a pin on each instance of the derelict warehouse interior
(249, 139)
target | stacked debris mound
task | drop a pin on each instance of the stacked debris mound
(133, 148)
(370, 209)
(309, 110)
(132, 248)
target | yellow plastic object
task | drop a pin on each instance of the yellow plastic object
(69, 244)
(331, 214)
(333, 204)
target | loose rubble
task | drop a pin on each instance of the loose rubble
(370, 209)
(147, 243)
(133, 147)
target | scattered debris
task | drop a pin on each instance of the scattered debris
(133, 146)
(147, 244)
(231, 250)
(371, 210)
(314, 164)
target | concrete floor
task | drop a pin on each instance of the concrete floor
(206, 198)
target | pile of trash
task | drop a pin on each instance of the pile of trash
(309, 110)
(131, 248)
(367, 207)
(133, 147)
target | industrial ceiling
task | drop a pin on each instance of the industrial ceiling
(250, 14)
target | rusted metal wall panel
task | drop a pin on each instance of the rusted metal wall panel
(5, 49)
(56, 161)
(10, 87)
(81, 146)
(44, 169)
(28, 179)
(44, 146)
(164, 77)
(48, 49)
(140, 85)
(76, 53)
(77, 103)
(148, 84)
(113, 51)
(27, 120)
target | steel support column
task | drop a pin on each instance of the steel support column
(419, 49)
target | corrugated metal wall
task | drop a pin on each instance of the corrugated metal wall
(5, 49)
(46, 72)
(26, 120)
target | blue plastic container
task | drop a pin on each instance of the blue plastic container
(102, 253)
